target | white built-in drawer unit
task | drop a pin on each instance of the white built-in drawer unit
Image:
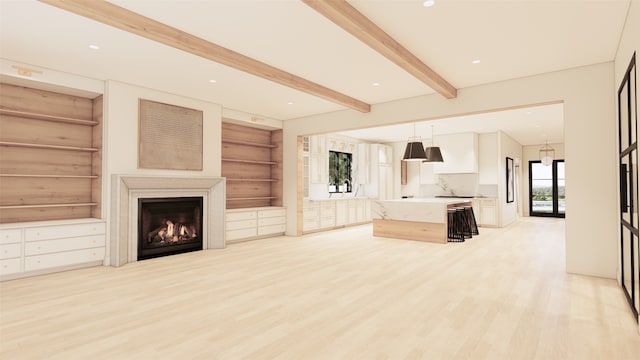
(243, 224)
(10, 251)
(52, 245)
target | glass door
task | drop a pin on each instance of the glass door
(629, 195)
(546, 189)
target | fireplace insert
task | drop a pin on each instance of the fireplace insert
(168, 226)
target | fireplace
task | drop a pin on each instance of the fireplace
(168, 226)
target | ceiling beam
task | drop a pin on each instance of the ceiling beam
(348, 18)
(135, 23)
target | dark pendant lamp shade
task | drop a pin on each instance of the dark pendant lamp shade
(433, 154)
(414, 150)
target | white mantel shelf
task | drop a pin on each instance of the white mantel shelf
(127, 189)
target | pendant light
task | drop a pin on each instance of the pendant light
(414, 150)
(547, 154)
(432, 152)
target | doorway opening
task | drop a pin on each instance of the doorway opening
(547, 189)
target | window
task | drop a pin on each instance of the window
(339, 172)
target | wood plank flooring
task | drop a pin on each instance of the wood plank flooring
(342, 294)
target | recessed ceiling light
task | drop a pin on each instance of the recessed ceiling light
(213, 81)
(94, 47)
(429, 3)
(290, 103)
(537, 126)
(528, 112)
(375, 84)
(475, 61)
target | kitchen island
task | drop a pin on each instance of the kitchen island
(422, 219)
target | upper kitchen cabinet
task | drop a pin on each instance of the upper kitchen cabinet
(319, 156)
(459, 152)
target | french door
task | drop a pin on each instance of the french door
(546, 189)
(629, 196)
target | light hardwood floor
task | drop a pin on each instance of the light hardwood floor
(335, 295)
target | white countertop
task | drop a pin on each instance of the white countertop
(432, 210)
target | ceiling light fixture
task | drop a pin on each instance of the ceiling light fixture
(376, 84)
(414, 150)
(429, 3)
(213, 81)
(547, 154)
(94, 47)
(290, 103)
(475, 62)
(432, 152)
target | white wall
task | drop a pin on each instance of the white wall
(588, 96)
(508, 147)
(532, 153)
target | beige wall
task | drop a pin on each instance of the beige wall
(508, 147)
(587, 93)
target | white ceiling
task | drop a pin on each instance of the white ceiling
(512, 39)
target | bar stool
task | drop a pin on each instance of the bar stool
(471, 218)
(455, 224)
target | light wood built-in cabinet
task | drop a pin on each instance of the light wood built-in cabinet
(50, 155)
(252, 165)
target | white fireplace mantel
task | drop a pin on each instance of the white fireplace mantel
(127, 189)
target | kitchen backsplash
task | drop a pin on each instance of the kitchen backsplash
(458, 184)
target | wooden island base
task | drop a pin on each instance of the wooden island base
(411, 230)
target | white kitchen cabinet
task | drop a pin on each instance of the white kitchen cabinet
(486, 211)
(253, 223)
(334, 213)
(319, 160)
(363, 164)
(459, 152)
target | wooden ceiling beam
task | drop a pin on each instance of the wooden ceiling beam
(135, 23)
(351, 20)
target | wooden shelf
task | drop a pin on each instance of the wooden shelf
(61, 119)
(48, 147)
(248, 143)
(249, 161)
(252, 180)
(39, 206)
(252, 198)
(52, 176)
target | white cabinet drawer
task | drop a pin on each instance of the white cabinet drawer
(10, 236)
(9, 266)
(245, 224)
(59, 245)
(39, 262)
(272, 229)
(10, 251)
(327, 222)
(64, 231)
(310, 224)
(311, 214)
(271, 221)
(241, 233)
(241, 215)
(271, 213)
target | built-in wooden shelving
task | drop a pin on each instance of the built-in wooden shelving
(40, 206)
(252, 164)
(50, 155)
(250, 161)
(47, 146)
(248, 143)
(51, 176)
(30, 115)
